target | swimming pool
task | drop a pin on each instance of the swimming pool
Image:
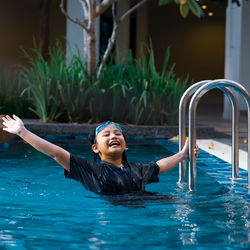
(42, 209)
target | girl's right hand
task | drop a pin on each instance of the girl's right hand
(14, 126)
(185, 150)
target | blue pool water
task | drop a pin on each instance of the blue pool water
(42, 209)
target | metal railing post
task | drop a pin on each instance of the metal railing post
(235, 131)
(220, 83)
(235, 127)
(182, 123)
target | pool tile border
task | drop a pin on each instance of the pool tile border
(131, 130)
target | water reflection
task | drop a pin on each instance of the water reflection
(187, 232)
(41, 206)
(6, 239)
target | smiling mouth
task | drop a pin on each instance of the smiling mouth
(114, 144)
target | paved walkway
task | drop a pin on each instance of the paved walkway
(221, 144)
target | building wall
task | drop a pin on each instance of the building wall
(237, 51)
(19, 24)
(197, 44)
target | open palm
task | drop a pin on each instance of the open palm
(14, 125)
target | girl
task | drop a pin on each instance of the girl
(113, 174)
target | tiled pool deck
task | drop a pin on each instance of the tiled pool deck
(220, 144)
(218, 151)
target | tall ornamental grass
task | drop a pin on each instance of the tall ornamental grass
(132, 92)
(10, 94)
(137, 93)
(56, 90)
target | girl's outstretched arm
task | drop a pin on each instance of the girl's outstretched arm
(169, 162)
(16, 126)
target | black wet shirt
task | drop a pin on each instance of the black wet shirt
(106, 178)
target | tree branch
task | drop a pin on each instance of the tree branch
(103, 6)
(90, 14)
(77, 21)
(131, 10)
(84, 7)
(110, 43)
(116, 23)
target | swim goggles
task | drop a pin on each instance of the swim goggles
(105, 124)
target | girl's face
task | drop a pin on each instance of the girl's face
(109, 142)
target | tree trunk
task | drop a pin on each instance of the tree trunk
(91, 46)
(44, 28)
(91, 61)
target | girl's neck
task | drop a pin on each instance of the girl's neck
(117, 162)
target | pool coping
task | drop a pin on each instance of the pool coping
(222, 151)
(76, 129)
(36, 126)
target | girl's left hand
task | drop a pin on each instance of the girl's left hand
(13, 125)
(185, 150)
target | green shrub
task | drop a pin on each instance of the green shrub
(55, 88)
(10, 90)
(136, 93)
(133, 92)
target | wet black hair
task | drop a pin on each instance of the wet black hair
(92, 140)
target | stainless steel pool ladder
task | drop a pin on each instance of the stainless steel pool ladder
(197, 90)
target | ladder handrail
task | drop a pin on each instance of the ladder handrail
(235, 139)
(220, 83)
(235, 127)
(235, 131)
(182, 123)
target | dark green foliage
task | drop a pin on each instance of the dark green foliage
(10, 91)
(133, 92)
(55, 88)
